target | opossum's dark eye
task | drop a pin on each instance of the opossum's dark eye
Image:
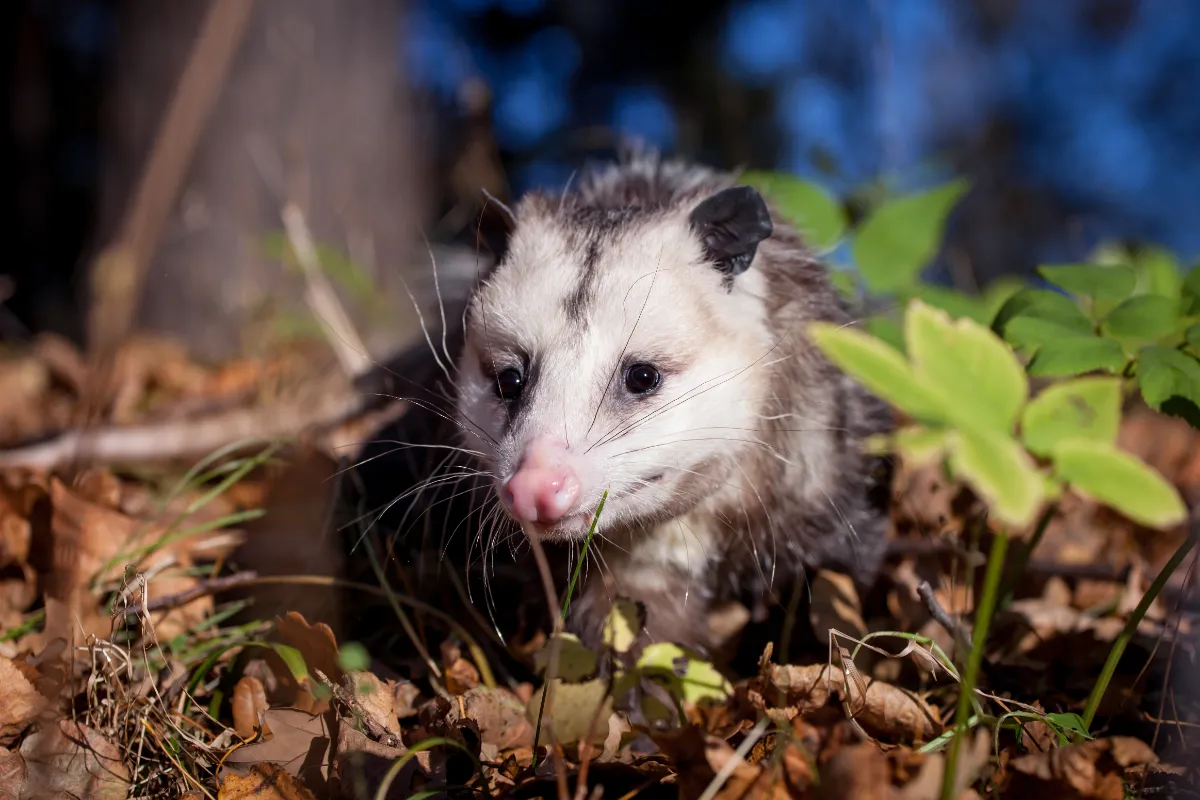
(642, 378)
(509, 384)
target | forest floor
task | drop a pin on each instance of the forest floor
(138, 658)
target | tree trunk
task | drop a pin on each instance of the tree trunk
(314, 112)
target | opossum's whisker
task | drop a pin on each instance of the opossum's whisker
(437, 288)
(425, 330)
(475, 430)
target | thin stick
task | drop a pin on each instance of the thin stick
(322, 299)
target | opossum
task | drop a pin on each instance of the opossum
(645, 336)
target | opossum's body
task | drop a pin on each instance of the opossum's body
(645, 335)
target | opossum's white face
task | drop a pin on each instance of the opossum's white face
(622, 352)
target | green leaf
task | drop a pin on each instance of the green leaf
(1094, 281)
(877, 366)
(1075, 355)
(899, 239)
(920, 445)
(956, 304)
(973, 373)
(1070, 721)
(1158, 272)
(1120, 481)
(997, 293)
(1164, 373)
(1033, 317)
(1145, 317)
(815, 213)
(1085, 408)
(575, 661)
(622, 626)
(353, 657)
(1193, 336)
(293, 660)
(687, 677)
(845, 282)
(888, 329)
(1191, 291)
(1001, 472)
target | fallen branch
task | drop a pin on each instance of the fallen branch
(187, 438)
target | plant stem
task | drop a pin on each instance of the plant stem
(983, 618)
(1013, 574)
(1118, 648)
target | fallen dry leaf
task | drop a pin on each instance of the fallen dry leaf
(373, 701)
(265, 781)
(882, 709)
(699, 757)
(20, 702)
(927, 784)
(300, 743)
(835, 604)
(13, 775)
(1094, 769)
(249, 701)
(71, 758)
(500, 714)
(860, 771)
(362, 763)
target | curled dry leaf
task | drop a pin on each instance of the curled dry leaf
(1094, 769)
(265, 781)
(20, 702)
(249, 700)
(882, 709)
(70, 758)
(315, 641)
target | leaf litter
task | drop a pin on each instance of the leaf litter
(125, 673)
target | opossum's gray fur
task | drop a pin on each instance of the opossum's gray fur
(804, 494)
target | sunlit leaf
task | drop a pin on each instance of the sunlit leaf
(1119, 480)
(1075, 355)
(902, 236)
(815, 213)
(877, 366)
(1085, 408)
(622, 625)
(972, 372)
(921, 445)
(1001, 472)
(688, 678)
(575, 661)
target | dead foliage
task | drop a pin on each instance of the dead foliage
(123, 672)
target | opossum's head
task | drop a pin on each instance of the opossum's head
(620, 348)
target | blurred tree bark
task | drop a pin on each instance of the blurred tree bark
(313, 112)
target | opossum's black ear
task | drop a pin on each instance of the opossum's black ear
(731, 224)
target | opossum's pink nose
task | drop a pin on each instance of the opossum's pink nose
(544, 487)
